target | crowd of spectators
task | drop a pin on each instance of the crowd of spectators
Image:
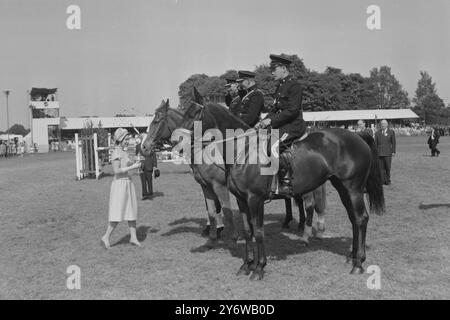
(413, 129)
(15, 148)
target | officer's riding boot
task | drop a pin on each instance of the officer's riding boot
(284, 175)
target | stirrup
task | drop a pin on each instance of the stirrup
(285, 190)
(283, 187)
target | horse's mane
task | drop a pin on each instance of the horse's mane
(219, 112)
(176, 111)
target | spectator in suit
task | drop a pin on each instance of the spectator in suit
(362, 128)
(433, 141)
(385, 141)
(146, 172)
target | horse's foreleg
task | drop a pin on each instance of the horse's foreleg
(256, 207)
(301, 214)
(206, 230)
(248, 235)
(320, 200)
(212, 241)
(308, 202)
(288, 218)
(361, 220)
(354, 204)
(224, 197)
(320, 225)
(219, 215)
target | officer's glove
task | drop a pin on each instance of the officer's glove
(157, 173)
(263, 123)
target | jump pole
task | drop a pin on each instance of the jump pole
(97, 165)
(77, 157)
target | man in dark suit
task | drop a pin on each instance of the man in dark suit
(146, 171)
(253, 102)
(433, 141)
(385, 141)
(363, 129)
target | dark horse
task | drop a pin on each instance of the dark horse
(348, 160)
(214, 184)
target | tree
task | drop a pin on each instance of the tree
(358, 92)
(213, 90)
(427, 102)
(230, 74)
(18, 129)
(328, 90)
(265, 83)
(388, 91)
(185, 90)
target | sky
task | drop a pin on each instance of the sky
(133, 54)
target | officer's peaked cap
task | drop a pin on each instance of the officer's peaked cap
(245, 75)
(278, 60)
(229, 81)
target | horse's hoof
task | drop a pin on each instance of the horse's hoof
(211, 244)
(243, 270)
(257, 275)
(357, 270)
(348, 258)
(237, 238)
(219, 232)
(285, 225)
(205, 232)
(304, 240)
(253, 266)
(319, 236)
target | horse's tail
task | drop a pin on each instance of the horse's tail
(374, 185)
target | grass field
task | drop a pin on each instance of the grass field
(51, 221)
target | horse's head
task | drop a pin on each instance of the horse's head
(197, 112)
(160, 128)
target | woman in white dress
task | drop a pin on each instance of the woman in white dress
(122, 198)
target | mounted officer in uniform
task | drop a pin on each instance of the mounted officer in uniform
(231, 91)
(285, 115)
(233, 98)
(253, 102)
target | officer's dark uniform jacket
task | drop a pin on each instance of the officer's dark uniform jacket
(228, 99)
(252, 106)
(235, 106)
(286, 113)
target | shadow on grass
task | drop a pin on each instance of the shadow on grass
(141, 233)
(278, 244)
(176, 172)
(199, 221)
(156, 195)
(433, 205)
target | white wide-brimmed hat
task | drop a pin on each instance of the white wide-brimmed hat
(120, 134)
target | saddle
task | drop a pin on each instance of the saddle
(285, 165)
